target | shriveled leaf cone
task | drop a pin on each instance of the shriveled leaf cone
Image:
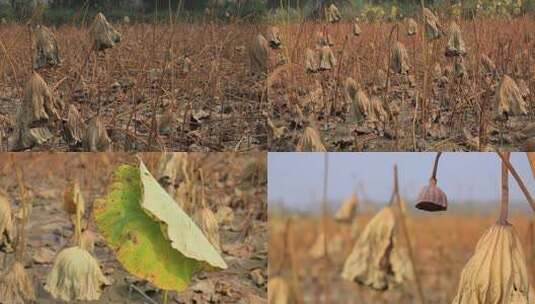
(76, 275)
(45, 48)
(310, 141)
(432, 24)
(333, 14)
(412, 27)
(455, 46)
(399, 61)
(96, 137)
(279, 291)
(6, 222)
(75, 127)
(348, 210)
(312, 63)
(258, 55)
(377, 260)
(16, 286)
(356, 29)
(326, 59)
(378, 109)
(206, 220)
(357, 100)
(103, 33)
(509, 99)
(496, 273)
(39, 110)
(274, 38)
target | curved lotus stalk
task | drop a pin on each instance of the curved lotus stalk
(377, 260)
(455, 46)
(348, 210)
(206, 220)
(103, 33)
(6, 222)
(497, 272)
(75, 275)
(45, 48)
(274, 38)
(333, 14)
(412, 27)
(326, 59)
(279, 291)
(16, 286)
(432, 24)
(258, 55)
(509, 99)
(399, 61)
(310, 141)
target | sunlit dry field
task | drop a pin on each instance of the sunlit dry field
(435, 106)
(442, 246)
(185, 87)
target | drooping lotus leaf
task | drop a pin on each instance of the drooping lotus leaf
(152, 237)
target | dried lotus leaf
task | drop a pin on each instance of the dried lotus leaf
(432, 25)
(75, 127)
(274, 37)
(6, 222)
(348, 210)
(310, 141)
(96, 137)
(103, 33)
(333, 14)
(334, 246)
(76, 275)
(279, 291)
(356, 29)
(509, 99)
(45, 48)
(378, 109)
(497, 272)
(327, 61)
(455, 46)
(399, 61)
(412, 27)
(206, 220)
(311, 61)
(258, 55)
(360, 106)
(377, 260)
(16, 286)
(488, 65)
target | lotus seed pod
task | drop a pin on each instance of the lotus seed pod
(432, 198)
(497, 272)
(206, 220)
(258, 55)
(509, 100)
(356, 29)
(279, 291)
(311, 61)
(400, 59)
(432, 25)
(377, 260)
(455, 46)
(327, 59)
(6, 222)
(45, 48)
(75, 127)
(488, 65)
(103, 33)
(274, 38)
(16, 286)
(412, 27)
(310, 141)
(75, 275)
(333, 14)
(39, 110)
(96, 138)
(348, 210)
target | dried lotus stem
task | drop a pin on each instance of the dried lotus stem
(504, 204)
(518, 180)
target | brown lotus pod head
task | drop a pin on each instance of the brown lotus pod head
(333, 14)
(509, 98)
(327, 59)
(356, 29)
(488, 65)
(312, 63)
(258, 55)
(274, 38)
(75, 127)
(310, 141)
(45, 48)
(96, 138)
(103, 33)
(399, 61)
(16, 286)
(412, 27)
(6, 223)
(455, 46)
(432, 198)
(432, 25)
(206, 220)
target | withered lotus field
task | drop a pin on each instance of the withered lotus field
(446, 84)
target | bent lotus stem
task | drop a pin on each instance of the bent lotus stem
(435, 167)
(397, 199)
(504, 204)
(518, 179)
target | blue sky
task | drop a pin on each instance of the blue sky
(296, 179)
